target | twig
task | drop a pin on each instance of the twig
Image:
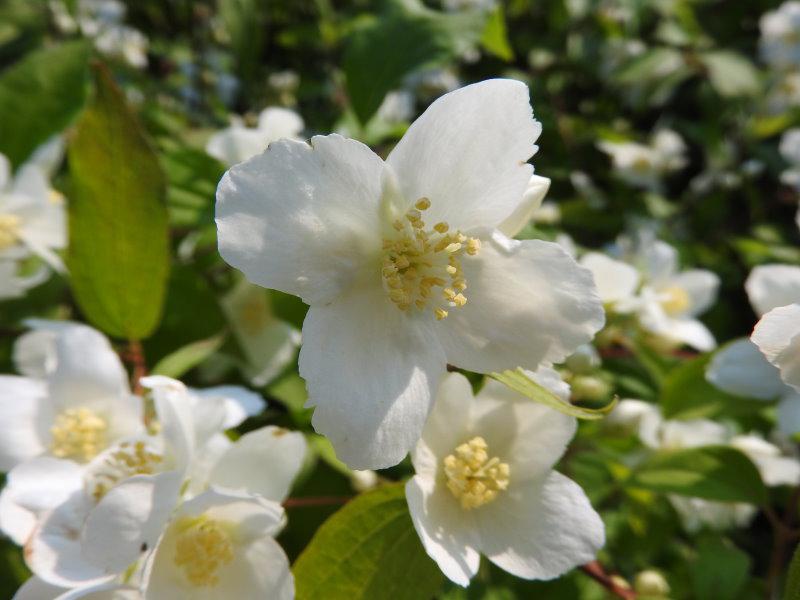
(135, 356)
(316, 501)
(783, 533)
(595, 570)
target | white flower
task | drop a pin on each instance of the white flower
(37, 588)
(777, 335)
(774, 468)
(790, 151)
(485, 484)
(221, 545)
(237, 143)
(78, 406)
(397, 107)
(401, 264)
(780, 36)
(616, 281)
(124, 42)
(267, 343)
(645, 165)
(32, 215)
(639, 417)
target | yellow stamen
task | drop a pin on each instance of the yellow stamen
(9, 230)
(202, 548)
(472, 477)
(675, 300)
(131, 458)
(79, 434)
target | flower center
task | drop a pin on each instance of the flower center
(9, 230)
(79, 434)
(202, 547)
(129, 459)
(642, 165)
(417, 260)
(472, 476)
(675, 300)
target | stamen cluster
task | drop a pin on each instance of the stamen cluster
(202, 547)
(78, 433)
(132, 458)
(472, 476)
(419, 259)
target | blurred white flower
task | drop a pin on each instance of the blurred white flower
(617, 282)
(401, 264)
(78, 403)
(221, 544)
(32, 215)
(777, 335)
(646, 165)
(485, 484)
(790, 151)
(14, 285)
(397, 107)
(268, 343)
(237, 143)
(780, 36)
(784, 94)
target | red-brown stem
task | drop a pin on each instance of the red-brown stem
(595, 570)
(316, 501)
(783, 533)
(135, 356)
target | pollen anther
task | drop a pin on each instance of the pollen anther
(472, 477)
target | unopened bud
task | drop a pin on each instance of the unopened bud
(363, 481)
(652, 584)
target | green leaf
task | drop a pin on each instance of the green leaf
(381, 52)
(40, 96)
(792, 589)
(731, 74)
(186, 358)
(119, 244)
(495, 35)
(686, 394)
(290, 390)
(520, 382)
(720, 571)
(712, 472)
(368, 549)
(324, 449)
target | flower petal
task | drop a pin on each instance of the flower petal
(235, 144)
(788, 417)
(739, 368)
(446, 531)
(299, 217)
(31, 489)
(529, 436)
(701, 287)
(276, 123)
(615, 280)
(265, 462)
(776, 335)
(36, 588)
(527, 302)
(239, 402)
(26, 416)
(531, 201)
(371, 373)
(771, 286)
(129, 519)
(468, 154)
(541, 529)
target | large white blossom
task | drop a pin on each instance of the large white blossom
(645, 165)
(238, 142)
(485, 484)
(777, 335)
(402, 265)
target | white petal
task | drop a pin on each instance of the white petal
(36, 588)
(771, 286)
(31, 489)
(774, 468)
(637, 416)
(658, 260)
(5, 172)
(446, 530)
(299, 218)
(35, 353)
(468, 154)
(129, 519)
(54, 551)
(174, 409)
(527, 302)
(541, 529)
(776, 335)
(265, 462)
(236, 144)
(692, 433)
(615, 280)
(684, 330)
(448, 425)
(531, 201)
(371, 373)
(276, 123)
(739, 368)
(88, 372)
(529, 436)
(239, 402)
(701, 287)
(26, 417)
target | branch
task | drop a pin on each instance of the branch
(134, 354)
(595, 570)
(783, 533)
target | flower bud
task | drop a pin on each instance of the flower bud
(651, 583)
